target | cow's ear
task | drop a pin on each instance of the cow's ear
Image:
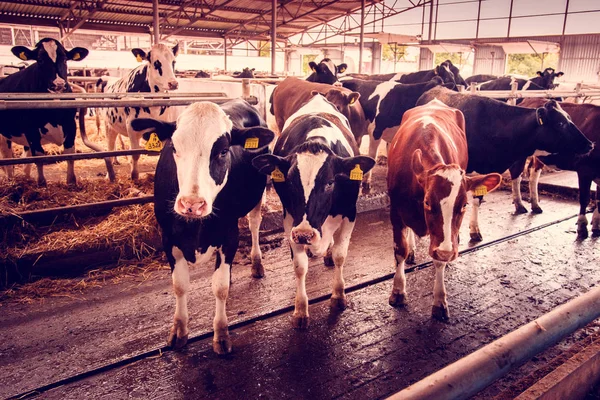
(342, 68)
(559, 74)
(352, 97)
(140, 55)
(164, 130)
(354, 167)
(253, 69)
(175, 49)
(24, 53)
(490, 181)
(252, 138)
(77, 53)
(539, 73)
(268, 163)
(436, 70)
(313, 66)
(316, 92)
(417, 166)
(541, 114)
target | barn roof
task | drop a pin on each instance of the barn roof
(247, 19)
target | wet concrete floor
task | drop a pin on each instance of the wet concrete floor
(368, 351)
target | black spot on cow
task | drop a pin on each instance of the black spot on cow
(127, 110)
(156, 89)
(158, 67)
(162, 110)
(43, 130)
(137, 111)
(146, 110)
(120, 119)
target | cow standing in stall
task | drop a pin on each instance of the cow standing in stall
(317, 172)
(428, 192)
(154, 76)
(325, 71)
(204, 184)
(587, 118)
(32, 128)
(499, 135)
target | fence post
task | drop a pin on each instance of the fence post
(473, 87)
(579, 98)
(245, 88)
(513, 91)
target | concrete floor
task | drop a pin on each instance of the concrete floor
(368, 351)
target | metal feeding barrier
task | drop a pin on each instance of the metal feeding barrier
(21, 101)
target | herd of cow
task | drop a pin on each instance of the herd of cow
(215, 162)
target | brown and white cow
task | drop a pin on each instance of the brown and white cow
(428, 191)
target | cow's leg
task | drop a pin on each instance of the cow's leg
(474, 222)
(6, 152)
(373, 146)
(111, 140)
(181, 285)
(328, 259)
(26, 167)
(585, 184)
(516, 174)
(254, 219)
(410, 237)
(71, 179)
(220, 286)
(398, 297)
(596, 215)
(134, 143)
(535, 170)
(300, 317)
(40, 168)
(439, 310)
(69, 129)
(339, 251)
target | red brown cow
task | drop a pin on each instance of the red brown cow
(587, 118)
(428, 191)
(292, 93)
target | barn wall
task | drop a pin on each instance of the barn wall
(426, 59)
(580, 58)
(484, 63)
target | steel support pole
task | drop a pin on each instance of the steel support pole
(273, 34)
(156, 33)
(362, 36)
(225, 53)
(429, 38)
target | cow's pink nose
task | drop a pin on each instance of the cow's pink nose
(192, 205)
(173, 85)
(302, 236)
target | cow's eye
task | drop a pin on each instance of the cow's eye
(464, 208)
(427, 205)
(224, 152)
(330, 183)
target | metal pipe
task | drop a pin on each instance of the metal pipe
(273, 34)
(225, 53)
(469, 375)
(362, 36)
(122, 95)
(430, 21)
(155, 26)
(75, 156)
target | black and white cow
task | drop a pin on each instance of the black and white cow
(325, 71)
(481, 78)
(546, 79)
(384, 105)
(246, 73)
(32, 128)
(499, 135)
(204, 184)
(443, 70)
(458, 79)
(155, 75)
(317, 172)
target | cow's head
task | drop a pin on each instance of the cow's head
(443, 70)
(340, 98)
(161, 66)
(457, 78)
(546, 79)
(51, 57)
(312, 180)
(201, 143)
(325, 71)
(246, 73)
(445, 190)
(557, 133)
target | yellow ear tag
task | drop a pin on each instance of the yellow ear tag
(353, 100)
(22, 56)
(480, 191)
(138, 58)
(154, 143)
(342, 70)
(356, 174)
(76, 57)
(251, 143)
(277, 176)
(540, 121)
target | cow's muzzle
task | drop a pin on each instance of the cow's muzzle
(304, 236)
(191, 206)
(173, 85)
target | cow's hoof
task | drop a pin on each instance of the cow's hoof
(258, 271)
(338, 303)
(520, 209)
(300, 322)
(411, 258)
(398, 300)
(582, 233)
(175, 342)
(135, 176)
(222, 346)
(476, 237)
(328, 261)
(440, 313)
(382, 160)
(42, 183)
(595, 233)
(536, 210)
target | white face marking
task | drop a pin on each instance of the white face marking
(332, 134)
(50, 48)
(317, 104)
(198, 127)
(165, 56)
(308, 167)
(455, 177)
(331, 66)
